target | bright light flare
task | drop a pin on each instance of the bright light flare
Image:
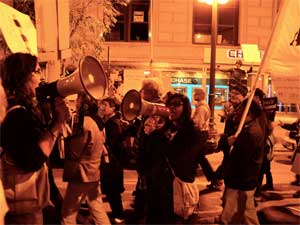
(147, 72)
(131, 105)
(91, 78)
(210, 2)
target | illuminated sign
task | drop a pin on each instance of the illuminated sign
(227, 56)
(186, 80)
(238, 53)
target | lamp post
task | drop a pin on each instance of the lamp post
(214, 34)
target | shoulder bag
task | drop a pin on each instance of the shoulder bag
(185, 195)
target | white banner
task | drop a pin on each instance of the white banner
(282, 58)
(287, 89)
(18, 30)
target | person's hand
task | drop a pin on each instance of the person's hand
(231, 140)
(212, 133)
(280, 123)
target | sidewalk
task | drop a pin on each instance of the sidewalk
(274, 207)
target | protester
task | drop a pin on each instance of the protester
(82, 166)
(294, 129)
(150, 92)
(236, 95)
(201, 119)
(241, 168)
(266, 125)
(26, 141)
(55, 159)
(181, 142)
(237, 75)
(112, 176)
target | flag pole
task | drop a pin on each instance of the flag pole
(252, 91)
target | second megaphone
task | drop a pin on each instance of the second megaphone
(89, 77)
(133, 105)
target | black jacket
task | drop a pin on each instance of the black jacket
(242, 166)
(112, 177)
(183, 153)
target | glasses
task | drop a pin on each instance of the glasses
(174, 104)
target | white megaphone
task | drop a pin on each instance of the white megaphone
(133, 105)
(89, 78)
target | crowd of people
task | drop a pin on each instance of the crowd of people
(93, 163)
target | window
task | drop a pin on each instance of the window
(132, 23)
(227, 23)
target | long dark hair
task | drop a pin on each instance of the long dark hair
(187, 110)
(16, 72)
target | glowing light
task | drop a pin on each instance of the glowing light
(131, 105)
(147, 72)
(210, 2)
(223, 1)
(91, 78)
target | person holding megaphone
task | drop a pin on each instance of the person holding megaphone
(26, 141)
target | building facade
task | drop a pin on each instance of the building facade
(173, 42)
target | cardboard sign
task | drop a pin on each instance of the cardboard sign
(251, 53)
(270, 106)
(18, 30)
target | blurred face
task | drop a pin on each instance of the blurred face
(199, 97)
(149, 126)
(176, 108)
(235, 97)
(105, 109)
(35, 79)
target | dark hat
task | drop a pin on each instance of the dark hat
(240, 88)
(255, 108)
(259, 93)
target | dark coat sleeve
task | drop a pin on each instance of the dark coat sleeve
(20, 135)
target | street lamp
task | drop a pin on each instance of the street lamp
(214, 33)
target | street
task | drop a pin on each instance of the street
(274, 207)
